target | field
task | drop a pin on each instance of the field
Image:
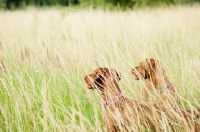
(45, 55)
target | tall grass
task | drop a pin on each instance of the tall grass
(45, 55)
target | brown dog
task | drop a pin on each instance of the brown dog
(122, 114)
(158, 87)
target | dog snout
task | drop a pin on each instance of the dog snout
(133, 70)
(88, 81)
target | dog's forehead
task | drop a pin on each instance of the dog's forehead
(151, 60)
(104, 70)
(143, 63)
(148, 61)
(99, 70)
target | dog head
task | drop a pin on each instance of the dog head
(102, 78)
(144, 70)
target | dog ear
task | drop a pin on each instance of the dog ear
(116, 74)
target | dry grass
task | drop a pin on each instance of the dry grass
(45, 55)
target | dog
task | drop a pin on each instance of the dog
(122, 114)
(158, 88)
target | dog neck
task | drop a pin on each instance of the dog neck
(111, 92)
(161, 91)
(164, 89)
(158, 79)
(157, 85)
(117, 97)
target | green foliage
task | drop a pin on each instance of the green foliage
(11, 4)
(154, 2)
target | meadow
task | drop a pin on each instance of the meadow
(45, 55)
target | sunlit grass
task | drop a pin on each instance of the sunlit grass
(47, 53)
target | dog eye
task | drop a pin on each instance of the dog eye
(100, 78)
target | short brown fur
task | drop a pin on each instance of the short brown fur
(123, 114)
(157, 88)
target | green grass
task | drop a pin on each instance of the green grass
(47, 53)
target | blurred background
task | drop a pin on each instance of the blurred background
(110, 4)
